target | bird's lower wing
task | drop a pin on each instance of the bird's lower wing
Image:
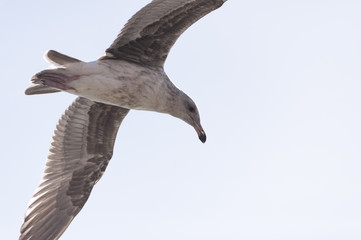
(80, 151)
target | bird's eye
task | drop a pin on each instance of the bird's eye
(191, 109)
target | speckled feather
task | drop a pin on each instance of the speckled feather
(80, 151)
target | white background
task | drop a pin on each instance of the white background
(278, 87)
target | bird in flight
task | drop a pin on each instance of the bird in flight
(130, 75)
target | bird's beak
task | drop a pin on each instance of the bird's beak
(201, 134)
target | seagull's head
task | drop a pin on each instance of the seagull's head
(188, 112)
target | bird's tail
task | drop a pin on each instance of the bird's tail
(59, 60)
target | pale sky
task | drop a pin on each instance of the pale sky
(277, 84)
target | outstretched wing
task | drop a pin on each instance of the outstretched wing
(149, 35)
(81, 149)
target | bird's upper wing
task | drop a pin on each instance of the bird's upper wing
(150, 33)
(80, 151)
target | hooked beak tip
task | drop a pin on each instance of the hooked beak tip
(202, 136)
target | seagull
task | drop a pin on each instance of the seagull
(130, 75)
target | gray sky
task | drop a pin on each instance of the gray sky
(278, 87)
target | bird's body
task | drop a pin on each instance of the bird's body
(117, 82)
(129, 75)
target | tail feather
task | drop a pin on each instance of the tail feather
(59, 59)
(40, 89)
(56, 58)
